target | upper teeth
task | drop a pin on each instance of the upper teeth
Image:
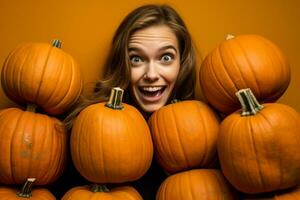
(152, 89)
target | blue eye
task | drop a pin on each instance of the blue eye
(135, 59)
(167, 58)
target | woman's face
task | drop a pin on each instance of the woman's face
(155, 62)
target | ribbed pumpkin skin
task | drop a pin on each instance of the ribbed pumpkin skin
(120, 193)
(260, 153)
(42, 74)
(111, 146)
(184, 135)
(37, 194)
(246, 61)
(197, 184)
(31, 145)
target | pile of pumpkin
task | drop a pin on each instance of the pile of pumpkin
(255, 140)
(45, 82)
(239, 144)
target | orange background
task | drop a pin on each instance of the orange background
(86, 28)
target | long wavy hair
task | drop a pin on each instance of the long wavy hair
(117, 66)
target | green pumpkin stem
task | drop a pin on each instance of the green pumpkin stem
(250, 105)
(56, 43)
(115, 99)
(31, 107)
(99, 188)
(26, 189)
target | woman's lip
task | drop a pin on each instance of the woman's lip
(151, 99)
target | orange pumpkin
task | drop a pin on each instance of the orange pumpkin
(98, 192)
(259, 147)
(184, 135)
(42, 74)
(246, 61)
(111, 142)
(31, 145)
(26, 192)
(204, 184)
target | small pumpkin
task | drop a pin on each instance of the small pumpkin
(31, 145)
(245, 61)
(196, 184)
(42, 74)
(258, 146)
(101, 192)
(111, 142)
(26, 192)
(184, 135)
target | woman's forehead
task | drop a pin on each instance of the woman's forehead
(160, 35)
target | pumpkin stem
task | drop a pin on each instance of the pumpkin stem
(56, 43)
(26, 189)
(250, 105)
(229, 37)
(99, 188)
(115, 99)
(31, 107)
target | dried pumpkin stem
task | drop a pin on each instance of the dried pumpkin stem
(56, 43)
(27, 188)
(31, 107)
(250, 105)
(115, 100)
(99, 188)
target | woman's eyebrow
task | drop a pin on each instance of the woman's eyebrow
(133, 49)
(168, 47)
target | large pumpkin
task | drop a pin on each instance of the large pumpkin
(246, 61)
(26, 192)
(259, 147)
(31, 145)
(184, 135)
(111, 142)
(197, 184)
(42, 74)
(99, 192)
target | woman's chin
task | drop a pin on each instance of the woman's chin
(151, 108)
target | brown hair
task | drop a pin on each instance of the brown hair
(117, 66)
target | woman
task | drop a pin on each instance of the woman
(123, 64)
(153, 59)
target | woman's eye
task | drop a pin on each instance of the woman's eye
(135, 59)
(167, 58)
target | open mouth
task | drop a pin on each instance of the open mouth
(152, 91)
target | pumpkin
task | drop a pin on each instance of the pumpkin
(258, 146)
(31, 145)
(196, 184)
(42, 74)
(111, 142)
(26, 192)
(245, 61)
(184, 135)
(101, 192)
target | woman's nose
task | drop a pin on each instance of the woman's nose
(151, 74)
